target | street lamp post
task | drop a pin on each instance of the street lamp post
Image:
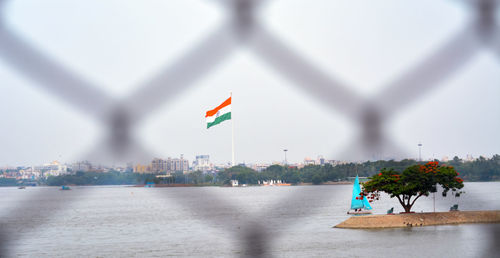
(419, 151)
(434, 200)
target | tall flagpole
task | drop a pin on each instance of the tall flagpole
(232, 129)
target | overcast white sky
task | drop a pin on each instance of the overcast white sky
(366, 44)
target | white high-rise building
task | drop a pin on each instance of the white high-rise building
(54, 169)
(202, 163)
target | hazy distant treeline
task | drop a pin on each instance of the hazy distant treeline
(8, 181)
(481, 169)
(99, 178)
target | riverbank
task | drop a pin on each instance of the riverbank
(420, 219)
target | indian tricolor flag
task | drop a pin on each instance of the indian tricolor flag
(219, 114)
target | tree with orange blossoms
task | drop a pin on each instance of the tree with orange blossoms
(414, 182)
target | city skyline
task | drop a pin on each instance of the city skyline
(192, 162)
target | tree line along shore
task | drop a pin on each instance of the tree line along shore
(481, 169)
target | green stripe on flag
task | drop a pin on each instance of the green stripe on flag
(219, 120)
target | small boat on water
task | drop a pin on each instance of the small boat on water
(64, 187)
(21, 187)
(359, 203)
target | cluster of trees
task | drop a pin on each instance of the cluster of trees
(481, 169)
(315, 174)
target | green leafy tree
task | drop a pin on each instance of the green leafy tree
(243, 174)
(196, 177)
(208, 178)
(274, 172)
(316, 179)
(292, 176)
(414, 182)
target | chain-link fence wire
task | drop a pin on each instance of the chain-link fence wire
(241, 29)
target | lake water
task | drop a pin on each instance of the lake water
(222, 221)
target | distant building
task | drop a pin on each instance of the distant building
(259, 167)
(141, 169)
(202, 163)
(130, 167)
(336, 162)
(158, 165)
(118, 169)
(30, 173)
(321, 160)
(54, 169)
(309, 161)
(178, 164)
(168, 165)
(83, 166)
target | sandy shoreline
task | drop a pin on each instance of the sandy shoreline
(420, 219)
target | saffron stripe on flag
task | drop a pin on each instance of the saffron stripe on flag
(214, 111)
